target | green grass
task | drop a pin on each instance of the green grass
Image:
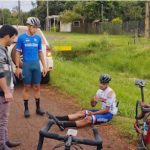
(77, 72)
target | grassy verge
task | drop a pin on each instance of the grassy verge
(77, 72)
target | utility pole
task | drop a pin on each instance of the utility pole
(19, 18)
(3, 17)
(47, 21)
(147, 23)
(102, 11)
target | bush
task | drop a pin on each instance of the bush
(117, 20)
(54, 29)
(104, 43)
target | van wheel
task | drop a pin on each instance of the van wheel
(46, 79)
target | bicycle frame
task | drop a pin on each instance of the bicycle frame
(142, 128)
(68, 140)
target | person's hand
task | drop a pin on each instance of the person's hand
(18, 72)
(93, 103)
(8, 96)
(95, 98)
(44, 72)
(90, 113)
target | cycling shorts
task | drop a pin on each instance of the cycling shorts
(100, 118)
(31, 72)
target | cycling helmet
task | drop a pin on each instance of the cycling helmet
(33, 21)
(104, 78)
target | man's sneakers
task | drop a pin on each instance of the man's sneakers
(59, 123)
(12, 144)
(4, 147)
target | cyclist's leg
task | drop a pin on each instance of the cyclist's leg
(94, 119)
(63, 118)
(84, 122)
(36, 79)
(103, 118)
(27, 84)
(26, 91)
(77, 115)
(27, 77)
(72, 117)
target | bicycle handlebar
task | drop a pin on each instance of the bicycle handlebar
(44, 133)
(140, 83)
(68, 143)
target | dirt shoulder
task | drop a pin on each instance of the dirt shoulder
(27, 130)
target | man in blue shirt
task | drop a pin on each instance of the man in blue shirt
(29, 44)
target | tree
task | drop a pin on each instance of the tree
(55, 7)
(5, 16)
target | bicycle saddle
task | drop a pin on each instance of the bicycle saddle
(146, 108)
(140, 83)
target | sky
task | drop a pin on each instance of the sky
(25, 5)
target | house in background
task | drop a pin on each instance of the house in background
(65, 27)
(54, 24)
(80, 26)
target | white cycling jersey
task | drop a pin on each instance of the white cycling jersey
(108, 99)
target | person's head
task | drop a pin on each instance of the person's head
(104, 81)
(33, 24)
(7, 34)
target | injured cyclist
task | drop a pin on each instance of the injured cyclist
(88, 117)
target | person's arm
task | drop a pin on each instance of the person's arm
(101, 111)
(95, 99)
(3, 83)
(18, 71)
(17, 56)
(41, 56)
(5, 89)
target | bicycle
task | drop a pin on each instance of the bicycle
(68, 141)
(142, 116)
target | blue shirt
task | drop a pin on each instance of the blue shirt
(30, 46)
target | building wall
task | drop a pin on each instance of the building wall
(65, 27)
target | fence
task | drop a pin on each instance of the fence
(130, 27)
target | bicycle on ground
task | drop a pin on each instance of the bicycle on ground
(69, 141)
(142, 116)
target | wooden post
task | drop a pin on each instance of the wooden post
(147, 23)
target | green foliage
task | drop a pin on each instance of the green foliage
(54, 29)
(69, 16)
(91, 10)
(103, 44)
(117, 20)
(78, 74)
(92, 55)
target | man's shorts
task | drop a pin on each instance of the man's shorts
(101, 118)
(31, 72)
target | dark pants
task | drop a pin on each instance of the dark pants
(4, 113)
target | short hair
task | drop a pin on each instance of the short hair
(8, 30)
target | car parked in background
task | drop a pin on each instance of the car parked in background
(45, 48)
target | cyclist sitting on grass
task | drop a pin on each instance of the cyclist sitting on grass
(86, 117)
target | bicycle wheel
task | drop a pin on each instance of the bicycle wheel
(138, 110)
(141, 144)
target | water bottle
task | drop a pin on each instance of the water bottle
(145, 128)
